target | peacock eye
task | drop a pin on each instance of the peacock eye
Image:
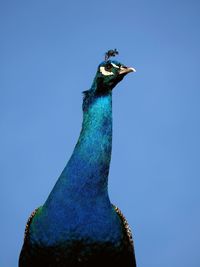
(108, 67)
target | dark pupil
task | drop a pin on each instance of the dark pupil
(108, 67)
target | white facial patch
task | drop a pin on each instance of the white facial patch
(105, 72)
(115, 66)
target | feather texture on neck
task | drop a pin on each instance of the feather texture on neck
(81, 194)
(86, 173)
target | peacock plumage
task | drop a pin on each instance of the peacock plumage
(77, 225)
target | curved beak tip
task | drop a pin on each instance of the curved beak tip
(132, 69)
(126, 70)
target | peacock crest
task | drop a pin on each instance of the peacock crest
(111, 53)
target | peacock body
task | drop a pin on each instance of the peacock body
(78, 225)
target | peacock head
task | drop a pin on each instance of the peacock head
(110, 72)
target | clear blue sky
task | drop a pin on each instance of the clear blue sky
(49, 51)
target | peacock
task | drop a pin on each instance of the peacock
(78, 226)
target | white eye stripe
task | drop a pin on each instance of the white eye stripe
(105, 72)
(115, 66)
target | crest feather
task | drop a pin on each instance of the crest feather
(111, 53)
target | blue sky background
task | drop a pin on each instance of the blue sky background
(49, 51)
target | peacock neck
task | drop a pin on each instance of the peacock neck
(94, 146)
(79, 207)
(86, 174)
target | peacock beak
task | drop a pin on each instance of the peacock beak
(126, 70)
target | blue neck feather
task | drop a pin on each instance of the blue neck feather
(78, 206)
(86, 174)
